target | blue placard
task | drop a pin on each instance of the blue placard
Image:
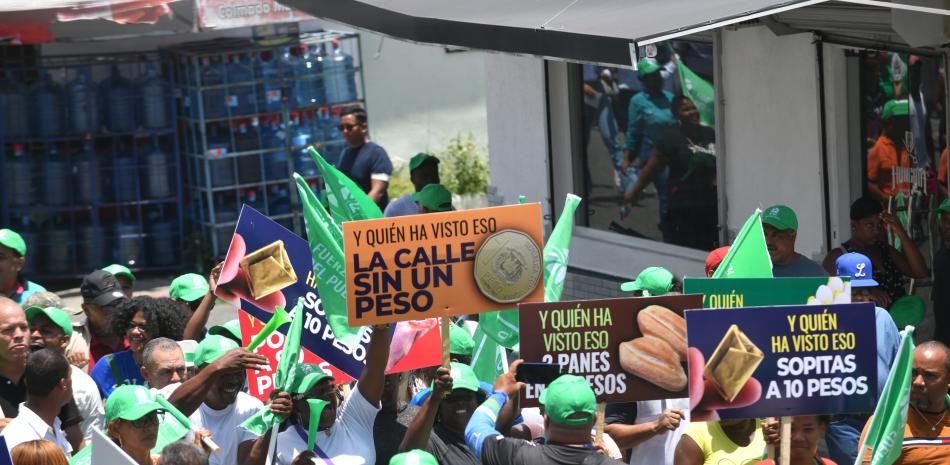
(257, 231)
(759, 362)
(5, 458)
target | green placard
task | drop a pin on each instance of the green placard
(760, 292)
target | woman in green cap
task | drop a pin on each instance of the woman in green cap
(132, 418)
(12, 262)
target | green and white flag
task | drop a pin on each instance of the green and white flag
(700, 91)
(262, 421)
(749, 256)
(885, 434)
(347, 200)
(488, 357)
(326, 246)
(502, 326)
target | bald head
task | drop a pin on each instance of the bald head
(930, 376)
(939, 349)
(14, 336)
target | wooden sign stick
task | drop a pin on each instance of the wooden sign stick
(446, 341)
(786, 444)
(599, 428)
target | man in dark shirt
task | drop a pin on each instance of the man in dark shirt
(780, 225)
(365, 162)
(941, 289)
(101, 295)
(570, 410)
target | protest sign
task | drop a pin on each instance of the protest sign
(760, 292)
(442, 264)
(782, 361)
(4, 452)
(104, 450)
(628, 349)
(266, 266)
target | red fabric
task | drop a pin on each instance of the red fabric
(714, 259)
(99, 349)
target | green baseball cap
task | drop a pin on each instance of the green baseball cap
(55, 315)
(131, 402)
(418, 159)
(188, 287)
(780, 217)
(119, 270)
(463, 377)
(9, 238)
(895, 108)
(305, 377)
(653, 281)
(212, 348)
(414, 457)
(907, 310)
(230, 329)
(566, 396)
(188, 348)
(434, 197)
(944, 206)
(647, 66)
(460, 341)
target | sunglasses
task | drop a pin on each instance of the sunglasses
(134, 325)
(347, 127)
(150, 419)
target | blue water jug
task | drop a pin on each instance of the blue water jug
(18, 178)
(308, 84)
(56, 174)
(87, 181)
(240, 94)
(276, 165)
(46, 106)
(120, 102)
(57, 250)
(13, 109)
(128, 244)
(125, 178)
(157, 174)
(213, 100)
(83, 106)
(92, 250)
(156, 97)
(162, 244)
(340, 75)
(270, 92)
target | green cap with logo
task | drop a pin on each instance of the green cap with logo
(944, 206)
(780, 217)
(305, 376)
(567, 396)
(119, 270)
(460, 341)
(434, 197)
(653, 281)
(56, 315)
(9, 238)
(463, 377)
(212, 348)
(131, 402)
(418, 159)
(647, 66)
(231, 329)
(188, 287)
(414, 457)
(895, 108)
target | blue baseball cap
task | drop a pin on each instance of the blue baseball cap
(858, 268)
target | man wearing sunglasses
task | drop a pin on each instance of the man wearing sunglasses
(101, 295)
(363, 161)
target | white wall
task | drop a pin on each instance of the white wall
(419, 97)
(517, 129)
(772, 131)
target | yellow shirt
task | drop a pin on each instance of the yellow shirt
(718, 449)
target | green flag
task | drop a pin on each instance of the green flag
(700, 91)
(263, 420)
(83, 457)
(174, 426)
(885, 434)
(749, 256)
(502, 326)
(327, 251)
(487, 357)
(347, 200)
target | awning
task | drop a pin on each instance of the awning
(598, 31)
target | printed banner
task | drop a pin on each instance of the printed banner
(782, 361)
(442, 264)
(220, 14)
(267, 265)
(761, 292)
(628, 349)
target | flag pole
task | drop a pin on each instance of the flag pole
(272, 445)
(446, 341)
(785, 448)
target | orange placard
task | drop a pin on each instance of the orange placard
(443, 264)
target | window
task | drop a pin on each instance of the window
(645, 162)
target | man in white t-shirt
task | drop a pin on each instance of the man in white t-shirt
(51, 328)
(48, 389)
(345, 434)
(213, 399)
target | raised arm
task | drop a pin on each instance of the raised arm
(191, 394)
(373, 377)
(200, 318)
(417, 434)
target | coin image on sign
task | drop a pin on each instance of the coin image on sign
(508, 266)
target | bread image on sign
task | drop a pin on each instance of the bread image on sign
(653, 360)
(732, 363)
(663, 323)
(268, 269)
